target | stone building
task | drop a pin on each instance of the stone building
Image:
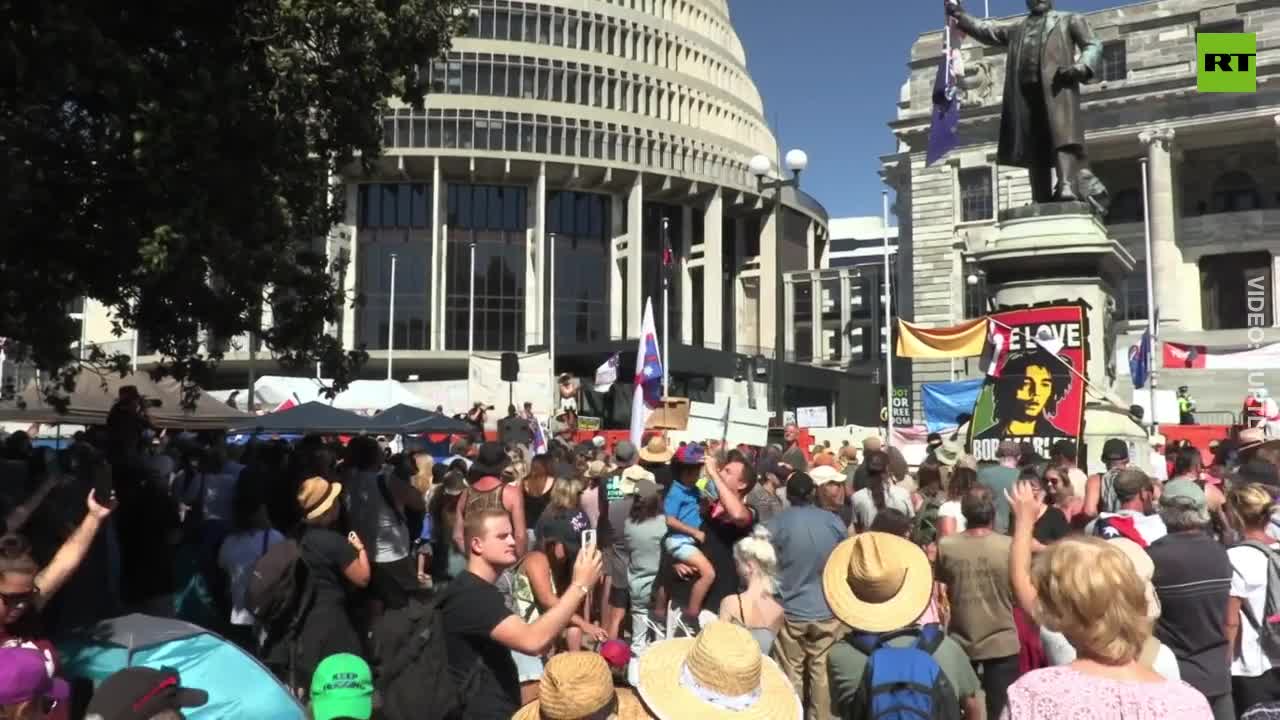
(1214, 177)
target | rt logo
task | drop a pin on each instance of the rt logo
(1227, 62)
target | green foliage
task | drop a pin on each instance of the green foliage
(174, 161)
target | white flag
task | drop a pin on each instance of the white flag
(648, 394)
(1048, 340)
(607, 374)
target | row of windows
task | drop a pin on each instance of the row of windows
(582, 84)
(558, 27)
(554, 135)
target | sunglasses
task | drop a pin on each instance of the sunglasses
(17, 600)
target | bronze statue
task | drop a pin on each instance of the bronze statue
(1041, 126)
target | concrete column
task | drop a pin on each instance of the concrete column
(811, 241)
(789, 318)
(439, 208)
(349, 281)
(688, 306)
(815, 305)
(712, 264)
(617, 209)
(770, 293)
(536, 288)
(635, 261)
(1166, 256)
(846, 314)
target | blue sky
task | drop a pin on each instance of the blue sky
(830, 70)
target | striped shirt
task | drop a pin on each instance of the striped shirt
(1193, 582)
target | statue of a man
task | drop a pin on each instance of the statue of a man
(1041, 127)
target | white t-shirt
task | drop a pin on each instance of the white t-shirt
(377, 523)
(1249, 583)
(236, 557)
(951, 509)
(1159, 466)
(864, 505)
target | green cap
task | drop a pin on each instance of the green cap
(342, 687)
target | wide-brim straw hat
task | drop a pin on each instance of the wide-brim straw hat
(577, 685)
(719, 675)
(949, 453)
(656, 450)
(316, 496)
(1253, 439)
(877, 582)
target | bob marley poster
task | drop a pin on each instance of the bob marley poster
(1034, 391)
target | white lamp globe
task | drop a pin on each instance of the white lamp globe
(797, 160)
(972, 280)
(760, 165)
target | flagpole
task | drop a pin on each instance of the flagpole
(888, 319)
(1152, 325)
(391, 319)
(551, 321)
(471, 304)
(666, 309)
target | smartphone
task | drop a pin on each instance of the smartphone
(588, 537)
(102, 485)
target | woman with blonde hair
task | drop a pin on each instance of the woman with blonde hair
(1090, 591)
(1255, 678)
(755, 608)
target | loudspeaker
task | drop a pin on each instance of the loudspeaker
(510, 367)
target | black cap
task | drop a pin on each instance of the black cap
(491, 459)
(140, 693)
(560, 527)
(1115, 449)
(800, 486)
(934, 439)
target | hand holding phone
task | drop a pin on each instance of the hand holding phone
(588, 538)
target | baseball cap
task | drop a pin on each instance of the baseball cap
(138, 693)
(559, 528)
(1115, 449)
(342, 687)
(825, 474)
(617, 653)
(1184, 492)
(1129, 482)
(645, 489)
(24, 677)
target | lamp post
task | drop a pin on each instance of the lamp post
(796, 161)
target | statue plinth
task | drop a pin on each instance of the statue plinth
(1060, 251)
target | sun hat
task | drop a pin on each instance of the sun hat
(631, 477)
(453, 483)
(949, 452)
(140, 693)
(824, 474)
(656, 450)
(577, 685)
(1145, 568)
(316, 496)
(877, 582)
(342, 687)
(490, 460)
(24, 676)
(1252, 439)
(719, 675)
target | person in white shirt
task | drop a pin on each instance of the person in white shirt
(1159, 463)
(1254, 675)
(1137, 518)
(880, 493)
(251, 536)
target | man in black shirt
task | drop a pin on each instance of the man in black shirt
(482, 632)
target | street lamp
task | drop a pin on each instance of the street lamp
(796, 161)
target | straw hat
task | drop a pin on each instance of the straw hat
(316, 496)
(949, 452)
(1252, 439)
(656, 450)
(877, 582)
(632, 476)
(719, 675)
(578, 685)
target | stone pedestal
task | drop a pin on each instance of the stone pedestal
(1060, 252)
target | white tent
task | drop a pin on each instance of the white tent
(363, 396)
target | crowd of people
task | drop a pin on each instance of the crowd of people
(658, 581)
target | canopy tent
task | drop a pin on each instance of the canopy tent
(311, 417)
(363, 396)
(97, 390)
(238, 685)
(401, 418)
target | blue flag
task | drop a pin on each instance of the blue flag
(945, 121)
(1140, 361)
(944, 403)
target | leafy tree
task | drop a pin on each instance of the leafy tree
(175, 161)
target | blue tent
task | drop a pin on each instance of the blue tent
(238, 685)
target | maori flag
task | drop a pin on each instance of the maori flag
(945, 122)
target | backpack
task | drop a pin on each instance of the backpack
(924, 528)
(275, 591)
(903, 683)
(411, 663)
(1268, 626)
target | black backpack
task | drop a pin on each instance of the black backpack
(411, 663)
(903, 683)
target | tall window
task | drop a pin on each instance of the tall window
(975, 194)
(697, 290)
(729, 280)
(802, 312)
(1126, 207)
(580, 222)
(393, 219)
(1115, 64)
(494, 219)
(1236, 291)
(651, 282)
(1131, 300)
(1235, 191)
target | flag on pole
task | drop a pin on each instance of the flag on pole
(607, 374)
(287, 404)
(648, 392)
(996, 351)
(1140, 361)
(945, 121)
(539, 437)
(1049, 341)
